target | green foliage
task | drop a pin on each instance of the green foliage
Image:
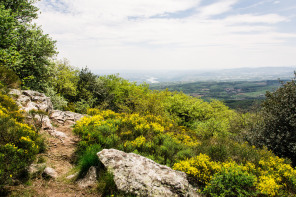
(208, 119)
(148, 135)
(87, 86)
(89, 158)
(106, 185)
(64, 79)
(277, 130)
(24, 10)
(58, 102)
(19, 143)
(35, 50)
(232, 181)
(8, 78)
(8, 37)
(23, 46)
(222, 148)
(205, 140)
(239, 95)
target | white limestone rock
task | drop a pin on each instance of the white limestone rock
(65, 116)
(143, 177)
(50, 172)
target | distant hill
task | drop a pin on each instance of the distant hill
(237, 74)
(235, 94)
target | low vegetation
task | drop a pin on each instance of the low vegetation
(224, 152)
(19, 143)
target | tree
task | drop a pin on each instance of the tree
(64, 79)
(8, 38)
(278, 131)
(24, 10)
(35, 49)
(23, 46)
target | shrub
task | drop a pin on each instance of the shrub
(89, 158)
(18, 146)
(149, 135)
(199, 168)
(231, 181)
(58, 102)
(279, 121)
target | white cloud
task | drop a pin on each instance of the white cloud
(100, 33)
(249, 18)
(220, 7)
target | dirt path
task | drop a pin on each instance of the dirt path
(59, 156)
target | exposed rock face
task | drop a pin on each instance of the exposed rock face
(65, 116)
(90, 179)
(29, 100)
(141, 176)
(32, 100)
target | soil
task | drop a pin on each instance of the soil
(60, 155)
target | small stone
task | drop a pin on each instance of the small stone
(50, 172)
(72, 176)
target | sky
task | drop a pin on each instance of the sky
(172, 34)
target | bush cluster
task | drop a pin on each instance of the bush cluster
(270, 176)
(19, 143)
(151, 136)
(216, 163)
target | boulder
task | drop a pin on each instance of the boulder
(90, 178)
(141, 176)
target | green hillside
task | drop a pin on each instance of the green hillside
(235, 94)
(223, 152)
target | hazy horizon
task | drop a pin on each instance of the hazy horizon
(172, 34)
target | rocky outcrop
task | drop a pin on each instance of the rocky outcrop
(65, 116)
(143, 177)
(32, 100)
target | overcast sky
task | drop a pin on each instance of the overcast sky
(172, 34)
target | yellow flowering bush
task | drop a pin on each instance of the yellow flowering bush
(268, 185)
(200, 168)
(205, 150)
(146, 134)
(19, 143)
(271, 177)
(275, 174)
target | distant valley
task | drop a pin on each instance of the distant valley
(239, 88)
(178, 76)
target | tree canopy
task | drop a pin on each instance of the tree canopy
(23, 46)
(278, 129)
